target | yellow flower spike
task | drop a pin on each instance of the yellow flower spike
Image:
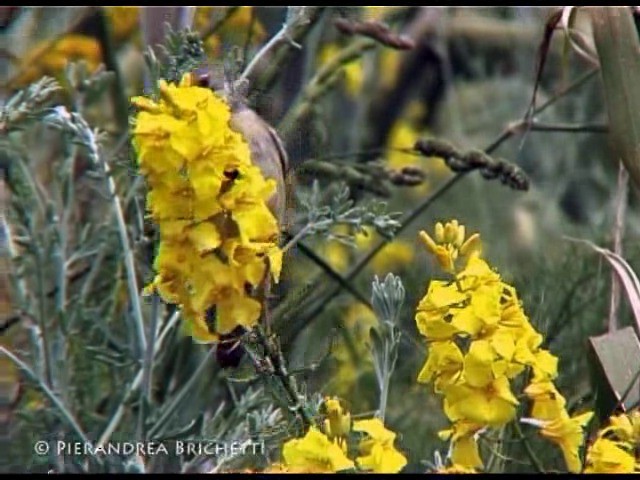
(450, 231)
(217, 234)
(146, 104)
(478, 364)
(315, 453)
(606, 456)
(377, 452)
(545, 365)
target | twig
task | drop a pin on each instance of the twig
(283, 35)
(377, 31)
(334, 275)
(562, 127)
(279, 54)
(618, 234)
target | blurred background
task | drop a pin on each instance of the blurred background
(348, 109)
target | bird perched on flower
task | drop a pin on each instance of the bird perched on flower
(268, 153)
(217, 192)
(267, 150)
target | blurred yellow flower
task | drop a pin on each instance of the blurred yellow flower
(353, 358)
(606, 456)
(402, 137)
(377, 452)
(235, 28)
(395, 254)
(51, 57)
(124, 21)
(354, 76)
(314, 453)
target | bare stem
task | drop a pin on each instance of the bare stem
(282, 35)
(132, 281)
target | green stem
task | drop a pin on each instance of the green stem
(532, 455)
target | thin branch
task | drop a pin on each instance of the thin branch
(563, 127)
(283, 35)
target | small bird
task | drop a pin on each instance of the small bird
(267, 149)
(269, 154)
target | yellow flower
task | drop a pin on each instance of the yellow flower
(336, 254)
(314, 453)
(377, 452)
(493, 404)
(606, 456)
(548, 403)
(338, 422)
(444, 363)
(464, 451)
(625, 427)
(568, 435)
(217, 235)
(450, 243)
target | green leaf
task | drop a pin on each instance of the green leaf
(618, 49)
